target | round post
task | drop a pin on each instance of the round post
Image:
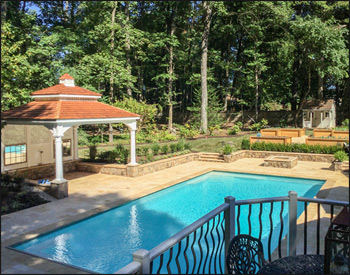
(230, 217)
(59, 159)
(292, 231)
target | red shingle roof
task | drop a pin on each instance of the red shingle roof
(66, 76)
(61, 89)
(52, 110)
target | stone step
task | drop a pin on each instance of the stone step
(212, 154)
(211, 160)
(211, 157)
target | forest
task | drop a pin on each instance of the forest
(202, 57)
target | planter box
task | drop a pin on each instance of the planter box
(283, 140)
(270, 132)
(292, 132)
(322, 132)
(342, 134)
(326, 141)
(341, 166)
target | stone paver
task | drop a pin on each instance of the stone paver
(92, 193)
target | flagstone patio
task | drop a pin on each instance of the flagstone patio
(92, 193)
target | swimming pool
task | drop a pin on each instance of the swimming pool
(104, 243)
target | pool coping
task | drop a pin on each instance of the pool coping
(328, 184)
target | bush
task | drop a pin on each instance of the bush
(245, 144)
(187, 131)
(180, 145)
(345, 123)
(234, 130)
(341, 156)
(227, 149)
(259, 125)
(149, 156)
(188, 146)
(211, 129)
(155, 148)
(173, 147)
(165, 149)
(295, 147)
(144, 150)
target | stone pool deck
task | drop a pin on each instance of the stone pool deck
(92, 193)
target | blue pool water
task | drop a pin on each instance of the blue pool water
(104, 243)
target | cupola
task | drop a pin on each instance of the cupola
(67, 80)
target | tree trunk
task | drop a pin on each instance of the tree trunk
(320, 87)
(110, 132)
(302, 100)
(256, 74)
(171, 72)
(204, 60)
(127, 45)
(111, 78)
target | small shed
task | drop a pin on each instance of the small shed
(319, 114)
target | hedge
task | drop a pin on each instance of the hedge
(295, 147)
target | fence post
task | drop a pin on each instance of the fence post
(229, 216)
(142, 256)
(292, 230)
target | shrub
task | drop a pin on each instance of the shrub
(173, 147)
(259, 125)
(234, 130)
(188, 146)
(302, 148)
(211, 129)
(149, 156)
(341, 156)
(245, 144)
(165, 149)
(155, 148)
(180, 145)
(345, 123)
(92, 151)
(227, 149)
(187, 131)
(144, 150)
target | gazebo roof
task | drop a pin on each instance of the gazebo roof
(53, 110)
(66, 101)
(61, 89)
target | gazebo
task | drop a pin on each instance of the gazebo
(63, 106)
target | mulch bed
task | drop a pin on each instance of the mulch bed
(15, 201)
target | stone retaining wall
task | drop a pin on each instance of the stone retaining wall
(301, 156)
(136, 170)
(45, 170)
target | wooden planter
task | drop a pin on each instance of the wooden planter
(322, 132)
(283, 140)
(270, 132)
(292, 132)
(326, 141)
(342, 134)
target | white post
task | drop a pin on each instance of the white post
(75, 142)
(2, 156)
(133, 128)
(59, 159)
(58, 133)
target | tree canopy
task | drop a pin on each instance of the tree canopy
(258, 53)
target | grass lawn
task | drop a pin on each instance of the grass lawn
(212, 145)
